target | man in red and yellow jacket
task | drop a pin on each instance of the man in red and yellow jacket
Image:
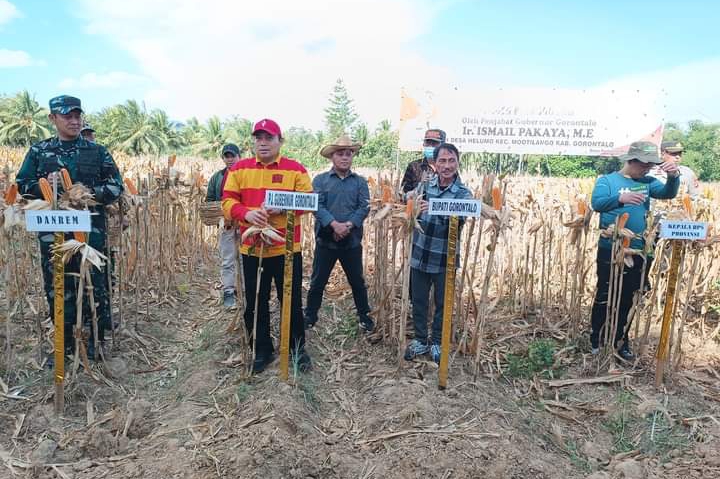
(243, 201)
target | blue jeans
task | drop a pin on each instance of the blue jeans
(421, 283)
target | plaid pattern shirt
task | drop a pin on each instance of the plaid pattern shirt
(429, 250)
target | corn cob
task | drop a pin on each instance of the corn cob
(496, 198)
(687, 203)
(45, 189)
(67, 182)
(11, 194)
(131, 186)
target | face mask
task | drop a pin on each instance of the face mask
(428, 152)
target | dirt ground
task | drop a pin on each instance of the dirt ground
(174, 401)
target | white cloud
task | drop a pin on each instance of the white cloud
(16, 59)
(103, 80)
(690, 90)
(8, 11)
(281, 60)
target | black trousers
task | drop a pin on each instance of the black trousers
(631, 283)
(272, 269)
(323, 263)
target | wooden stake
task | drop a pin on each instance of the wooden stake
(448, 303)
(287, 297)
(59, 316)
(664, 345)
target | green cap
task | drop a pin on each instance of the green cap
(64, 104)
(643, 151)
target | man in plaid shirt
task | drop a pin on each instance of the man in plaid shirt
(429, 253)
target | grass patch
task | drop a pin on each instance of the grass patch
(539, 359)
(576, 457)
(654, 434)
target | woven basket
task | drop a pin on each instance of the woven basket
(211, 213)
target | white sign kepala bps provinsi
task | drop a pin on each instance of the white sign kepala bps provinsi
(683, 230)
(290, 200)
(453, 207)
(50, 221)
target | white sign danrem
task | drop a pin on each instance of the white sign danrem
(62, 221)
(453, 207)
(683, 230)
(290, 200)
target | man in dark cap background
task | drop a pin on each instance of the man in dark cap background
(672, 151)
(229, 234)
(88, 132)
(87, 163)
(420, 170)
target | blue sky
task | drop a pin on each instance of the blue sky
(226, 57)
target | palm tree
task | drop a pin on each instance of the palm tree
(239, 131)
(210, 138)
(23, 121)
(384, 126)
(135, 131)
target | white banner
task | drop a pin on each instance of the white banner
(533, 121)
(49, 221)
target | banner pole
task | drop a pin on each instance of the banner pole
(287, 297)
(448, 303)
(664, 345)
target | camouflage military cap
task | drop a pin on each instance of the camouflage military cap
(64, 104)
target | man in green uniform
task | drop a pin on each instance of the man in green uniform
(87, 163)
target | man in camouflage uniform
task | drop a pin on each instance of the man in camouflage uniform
(87, 163)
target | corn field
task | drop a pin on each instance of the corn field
(526, 266)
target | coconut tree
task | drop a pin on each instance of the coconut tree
(23, 121)
(210, 138)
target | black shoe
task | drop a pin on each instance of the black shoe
(309, 322)
(262, 362)
(625, 354)
(367, 324)
(229, 299)
(302, 362)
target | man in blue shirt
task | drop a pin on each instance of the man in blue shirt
(343, 205)
(626, 191)
(429, 253)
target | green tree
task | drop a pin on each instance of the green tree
(131, 129)
(304, 145)
(340, 115)
(210, 138)
(23, 121)
(239, 131)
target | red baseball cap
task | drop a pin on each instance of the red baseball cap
(268, 126)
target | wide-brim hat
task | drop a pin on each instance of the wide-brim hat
(643, 151)
(342, 143)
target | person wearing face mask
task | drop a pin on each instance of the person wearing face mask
(229, 235)
(626, 191)
(420, 170)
